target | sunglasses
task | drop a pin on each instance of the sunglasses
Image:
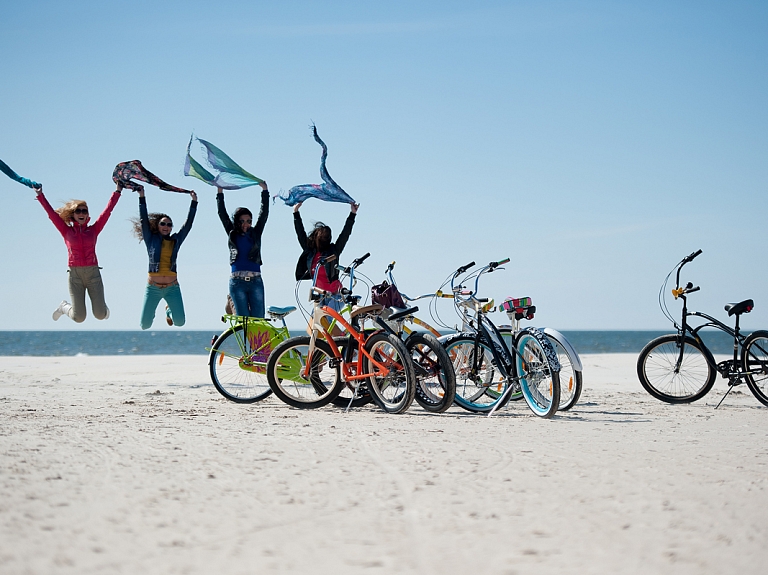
(245, 221)
(165, 224)
(81, 210)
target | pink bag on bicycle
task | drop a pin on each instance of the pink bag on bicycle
(387, 295)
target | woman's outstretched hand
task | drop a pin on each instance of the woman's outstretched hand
(353, 207)
(264, 186)
(296, 207)
(194, 196)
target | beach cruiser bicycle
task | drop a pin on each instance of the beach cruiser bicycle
(238, 356)
(680, 368)
(487, 371)
(310, 371)
(571, 380)
(436, 380)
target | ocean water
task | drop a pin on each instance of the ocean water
(70, 343)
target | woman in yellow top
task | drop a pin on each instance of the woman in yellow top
(162, 249)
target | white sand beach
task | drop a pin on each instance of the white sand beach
(137, 465)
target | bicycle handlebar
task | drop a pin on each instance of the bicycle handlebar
(494, 265)
(462, 269)
(691, 257)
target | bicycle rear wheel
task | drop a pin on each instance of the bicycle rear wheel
(238, 370)
(436, 380)
(754, 357)
(286, 372)
(539, 382)
(664, 378)
(480, 385)
(393, 392)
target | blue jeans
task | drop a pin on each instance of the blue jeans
(248, 296)
(171, 295)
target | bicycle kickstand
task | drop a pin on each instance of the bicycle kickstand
(730, 387)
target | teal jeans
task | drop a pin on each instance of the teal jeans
(171, 295)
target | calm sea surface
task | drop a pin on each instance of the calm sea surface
(63, 343)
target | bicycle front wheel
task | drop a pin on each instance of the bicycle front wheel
(395, 390)
(754, 356)
(436, 380)
(480, 385)
(673, 378)
(539, 383)
(298, 386)
(238, 371)
(349, 397)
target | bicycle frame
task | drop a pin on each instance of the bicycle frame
(254, 350)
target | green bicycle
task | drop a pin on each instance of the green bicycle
(238, 356)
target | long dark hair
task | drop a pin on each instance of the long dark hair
(319, 238)
(153, 219)
(236, 217)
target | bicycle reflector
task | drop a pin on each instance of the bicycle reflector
(518, 308)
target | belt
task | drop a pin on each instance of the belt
(175, 283)
(245, 275)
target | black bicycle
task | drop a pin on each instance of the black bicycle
(680, 368)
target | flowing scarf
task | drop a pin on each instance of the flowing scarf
(329, 191)
(126, 171)
(230, 175)
(6, 169)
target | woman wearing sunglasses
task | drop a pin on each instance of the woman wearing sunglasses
(72, 221)
(162, 248)
(246, 287)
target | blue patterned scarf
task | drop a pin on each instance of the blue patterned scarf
(5, 168)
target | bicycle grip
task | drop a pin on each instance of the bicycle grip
(693, 256)
(494, 265)
(391, 266)
(693, 289)
(462, 269)
(358, 261)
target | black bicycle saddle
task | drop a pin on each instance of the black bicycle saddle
(739, 308)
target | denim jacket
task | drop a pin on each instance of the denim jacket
(154, 241)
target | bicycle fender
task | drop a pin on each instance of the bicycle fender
(561, 339)
(545, 344)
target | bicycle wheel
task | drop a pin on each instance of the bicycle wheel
(348, 388)
(570, 377)
(539, 382)
(509, 339)
(286, 369)
(480, 385)
(435, 378)
(664, 379)
(754, 356)
(393, 392)
(237, 370)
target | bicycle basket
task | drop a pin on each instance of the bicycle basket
(387, 295)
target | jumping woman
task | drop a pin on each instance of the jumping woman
(246, 288)
(316, 245)
(72, 221)
(162, 249)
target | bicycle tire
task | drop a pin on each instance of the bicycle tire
(435, 378)
(285, 367)
(656, 370)
(234, 373)
(472, 388)
(394, 392)
(754, 356)
(539, 382)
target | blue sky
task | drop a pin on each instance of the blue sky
(594, 143)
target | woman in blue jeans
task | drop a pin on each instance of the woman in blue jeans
(246, 287)
(162, 248)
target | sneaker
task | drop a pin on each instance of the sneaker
(61, 310)
(168, 318)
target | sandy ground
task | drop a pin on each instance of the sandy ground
(137, 465)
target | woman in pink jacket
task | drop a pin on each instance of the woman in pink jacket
(72, 221)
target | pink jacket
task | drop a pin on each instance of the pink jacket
(80, 240)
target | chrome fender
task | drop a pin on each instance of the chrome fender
(561, 339)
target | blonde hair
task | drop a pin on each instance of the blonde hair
(67, 211)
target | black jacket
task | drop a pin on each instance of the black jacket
(304, 265)
(254, 232)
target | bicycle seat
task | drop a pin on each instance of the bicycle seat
(739, 308)
(366, 309)
(280, 312)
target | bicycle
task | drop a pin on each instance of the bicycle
(310, 371)
(518, 309)
(436, 388)
(238, 356)
(680, 368)
(487, 370)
